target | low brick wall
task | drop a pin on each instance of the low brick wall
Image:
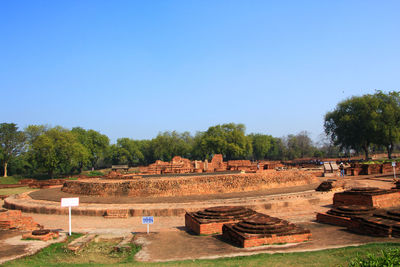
(194, 185)
(379, 201)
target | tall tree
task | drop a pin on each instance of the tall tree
(353, 123)
(58, 151)
(388, 120)
(226, 139)
(95, 142)
(12, 143)
(265, 147)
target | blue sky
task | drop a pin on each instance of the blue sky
(135, 68)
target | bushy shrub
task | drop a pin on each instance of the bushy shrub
(385, 258)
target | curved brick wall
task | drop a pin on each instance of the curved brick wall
(194, 185)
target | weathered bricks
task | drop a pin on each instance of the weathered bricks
(373, 197)
(192, 185)
(80, 242)
(210, 221)
(261, 229)
(13, 219)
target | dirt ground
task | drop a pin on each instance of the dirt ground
(166, 230)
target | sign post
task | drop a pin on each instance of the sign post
(148, 220)
(70, 202)
(394, 169)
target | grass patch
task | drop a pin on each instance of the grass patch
(13, 191)
(10, 179)
(94, 173)
(101, 254)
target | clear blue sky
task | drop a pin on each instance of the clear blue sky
(135, 68)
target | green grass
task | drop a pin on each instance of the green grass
(12, 191)
(100, 254)
(10, 180)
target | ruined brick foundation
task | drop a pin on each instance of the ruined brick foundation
(210, 220)
(262, 229)
(189, 185)
(368, 196)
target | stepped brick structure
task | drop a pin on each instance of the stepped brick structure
(210, 221)
(341, 216)
(368, 196)
(262, 229)
(383, 223)
(13, 219)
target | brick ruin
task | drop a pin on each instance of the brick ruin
(244, 227)
(210, 221)
(217, 164)
(356, 169)
(341, 216)
(13, 219)
(43, 235)
(262, 229)
(367, 210)
(368, 196)
(189, 185)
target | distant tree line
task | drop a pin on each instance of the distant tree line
(366, 123)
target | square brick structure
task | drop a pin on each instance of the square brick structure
(261, 229)
(211, 220)
(368, 196)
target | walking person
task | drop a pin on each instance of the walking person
(341, 168)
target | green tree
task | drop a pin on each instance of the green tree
(58, 151)
(299, 146)
(95, 142)
(353, 123)
(265, 147)
(12, 143)
(169, 144)
(226, 139)
(388, 120)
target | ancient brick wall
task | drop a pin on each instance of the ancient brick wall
(193, 185)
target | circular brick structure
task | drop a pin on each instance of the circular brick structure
(189, 185)
(223, 213)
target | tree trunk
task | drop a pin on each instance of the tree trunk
(5, 168)
(365, 148)
(50, 173)
(389, 149)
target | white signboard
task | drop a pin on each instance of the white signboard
(148, 220)
(393, 164)
(70, 202)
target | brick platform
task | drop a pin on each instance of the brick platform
(210, 220)
(262, 229)
(368, 196)
(383, 223)
(341, 216)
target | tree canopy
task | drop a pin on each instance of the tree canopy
(12, 143)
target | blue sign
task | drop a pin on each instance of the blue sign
(148, 220)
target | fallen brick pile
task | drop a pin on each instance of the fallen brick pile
(13, 219)
(193, 185)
